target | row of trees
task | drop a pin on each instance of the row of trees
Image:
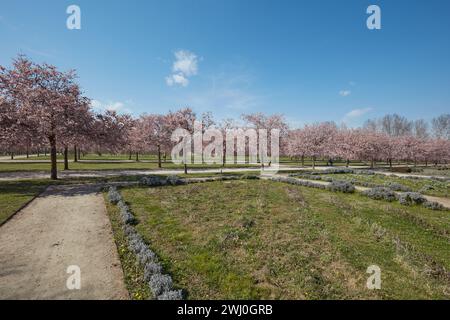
(395, 125)
(326, 140)
(43, 108)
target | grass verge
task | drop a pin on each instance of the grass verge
(98, 166)
(267, 240)
(132, 270)
(13, 195)
(425, 186)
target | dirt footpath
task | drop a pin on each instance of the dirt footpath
(66, 226)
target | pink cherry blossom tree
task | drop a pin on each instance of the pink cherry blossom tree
(296, 145)
(345, 143)
(110, 131)
(156, 130)
(47, 99)
(318, 140)
(370, 145)
(185, 119)
(136, 138)
(269, 122)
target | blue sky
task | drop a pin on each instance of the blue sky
(310, 60)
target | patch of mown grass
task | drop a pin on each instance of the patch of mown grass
(14, 194)
(132, 270)
(93, 156)
(435, 172)
(435, 188)
(404, 250)
(267, 240)
(98, 166)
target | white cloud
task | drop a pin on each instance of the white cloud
(345, 93)
(178, 78)
(184, 66)
(355, 114)
(115, 106)
(186, 63)
(111, 106)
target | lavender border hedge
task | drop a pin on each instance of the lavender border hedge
(376, 192)
(160, 284)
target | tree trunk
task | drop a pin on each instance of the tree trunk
(390, 163)
(137, 156)
(159, 157)
(28, 153)
(129, 158)
(314, 163)
(12, 155)
(75, 154)
(224, 149)
(303, 161)
(185, 169)
(54, 168)
(372, 164)
(348, 163)
(66, 158)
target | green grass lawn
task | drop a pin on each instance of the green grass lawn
(265, 240)
(16, 167)
(136, 165)
(439, 188)
(154, 157)
(103, 157)
(11, 167)
(13, 195)
(20, 166)
(430, 171)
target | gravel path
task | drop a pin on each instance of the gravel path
(67, 225)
